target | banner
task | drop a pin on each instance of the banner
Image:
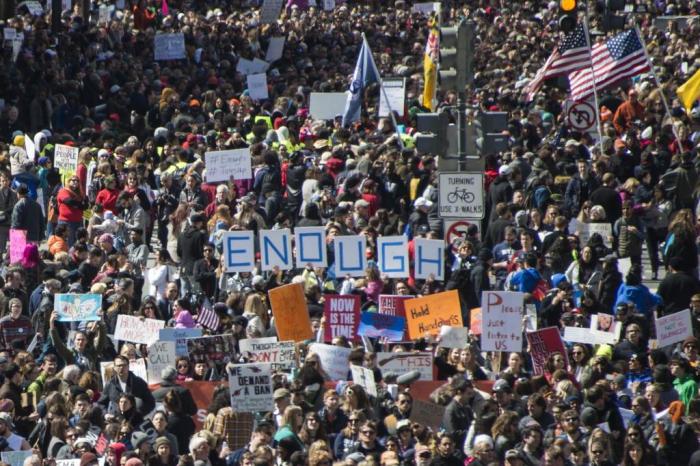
(393, 304)
(428, 314)
(169, 46)
(364, 377)
(65, 158)
(224, 165)
(502, 312)
(18, 241)
(374, 325)
(400, 363)
(161, 354)
(334, 360)
(78, 307)
(280, 354)
(291, 313)
(342, 316)
(179, 336)
(219, 349)
(137, 329)
(543, 343)
(673, 328)
(251, 387)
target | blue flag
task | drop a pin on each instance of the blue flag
(365, 73)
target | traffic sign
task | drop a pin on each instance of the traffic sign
(580, 116)
(456, 228)
(461, 195)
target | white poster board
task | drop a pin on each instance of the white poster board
(251, 387)
(364, 377)
(453, 337)
(334, 360)
(327, 105)
(673, 328)
(222, 165)
(137, 329)
(275, 49)
(169, 46)
(585, 230)
(281, 354)
(257, 86)
(501, 316)
(161, 354)
(270, 11)
(395, 90)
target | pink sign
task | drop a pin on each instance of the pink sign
(18, 240)
(342, 314)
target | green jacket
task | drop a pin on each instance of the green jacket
(687, 389)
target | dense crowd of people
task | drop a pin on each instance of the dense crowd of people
(138, 223)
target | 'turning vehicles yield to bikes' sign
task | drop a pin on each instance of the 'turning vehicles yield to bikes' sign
(461, 195)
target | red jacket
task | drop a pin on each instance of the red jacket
(108, 199)
(70, 206)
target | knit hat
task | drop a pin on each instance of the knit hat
(18, 141)
(161, 441)
(137, 438)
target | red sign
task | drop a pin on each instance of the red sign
(542, 343)
(457, 230)
(393, 304)
(342, 316)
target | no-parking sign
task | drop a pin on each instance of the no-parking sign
(456, 228)
(581, 116)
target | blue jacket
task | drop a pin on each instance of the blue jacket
(525, 280)
(640, 296)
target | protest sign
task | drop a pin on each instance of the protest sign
(453, 337)
(281, 354)
(502, 312)
(137, 366)
(15, 458)
(251, 387)
(342, 316)
(673, 328)
(428, 314)
(9, 33)
(585, 230)
(218, 349)
(375, 325)
(18, 241)
(427, 413)
(393, 304)
(74, 462)
(543, 343)
(75, 307)
(475, 321)
(429, 259)
(223, 165)
(350, 258)
(260, 66)
(328, 5)
(310, 244)
(291, 312)
(334, 360)
(239, 251)
(179, 336)
(365, 378)
(426, 8)
(270, 11)
(65, 157)
(137, 329)
(327, 105)
(104, 13)
(400, 363)
(275, 49)
(393, 97)
(245, 67)
(276, 249)
(161, 354)
(392, 256)
(169, 46)
(257, 86)
(624, 264)
(531, 314)
(606, 323)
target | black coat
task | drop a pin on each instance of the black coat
(27, 215)
(186, 401)
(609, 199)
(190, 248)
(135, 386)
(676, 289)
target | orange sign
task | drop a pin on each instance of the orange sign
(291, 312)
(428, 314)
(475, 321)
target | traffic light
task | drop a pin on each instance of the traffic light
(457, 56)
(612, 21)
(567, 21)
(489, 132)
(432, 137)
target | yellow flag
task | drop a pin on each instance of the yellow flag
(432, 50)
(689, 92)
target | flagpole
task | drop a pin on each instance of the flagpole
(595, 88)
(658, 85)
(383, 93)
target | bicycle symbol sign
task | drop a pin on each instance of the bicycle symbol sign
(461, 195)
(581, 116)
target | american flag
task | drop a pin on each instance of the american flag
(572, 54)
(614, 60)
(208, 317)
